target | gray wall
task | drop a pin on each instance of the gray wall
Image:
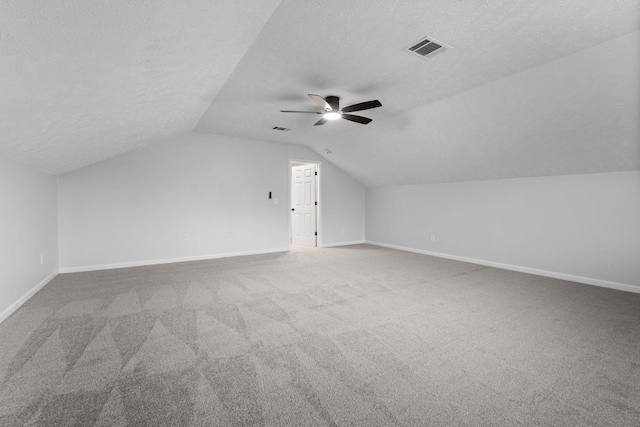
(587, 226)
(137, 207)
(28, 229)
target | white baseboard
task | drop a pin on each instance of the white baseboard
(24, 298)
(166, 261)
(555, 275)
(353, 242)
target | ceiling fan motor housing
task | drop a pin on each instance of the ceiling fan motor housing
(334, 102)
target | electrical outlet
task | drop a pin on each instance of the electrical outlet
(433, 237)
(186, 236)
(41, 259)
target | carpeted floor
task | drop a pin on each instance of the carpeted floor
(352, 336)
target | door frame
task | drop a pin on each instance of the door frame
(298, 162)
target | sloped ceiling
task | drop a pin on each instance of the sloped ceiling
(519, 94)
(82, 81)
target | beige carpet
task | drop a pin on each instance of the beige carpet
(353, 336)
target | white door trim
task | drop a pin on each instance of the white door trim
(294, 162)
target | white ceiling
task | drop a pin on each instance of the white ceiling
(83, 83)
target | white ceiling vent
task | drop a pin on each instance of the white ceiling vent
(427, 48)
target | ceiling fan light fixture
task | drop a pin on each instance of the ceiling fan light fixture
(332, 115)
(332, 110)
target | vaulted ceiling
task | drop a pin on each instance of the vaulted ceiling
(525, 90)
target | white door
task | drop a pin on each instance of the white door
(303, 205)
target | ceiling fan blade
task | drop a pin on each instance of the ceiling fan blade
(357, 119)
(320, 101)
(362, 106)
(321, 122)
(291, 111)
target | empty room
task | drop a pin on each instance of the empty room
(320, 213)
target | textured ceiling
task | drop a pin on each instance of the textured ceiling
(432, 126)
(84, 81)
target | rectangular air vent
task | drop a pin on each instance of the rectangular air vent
(281, 129)
(427, 48)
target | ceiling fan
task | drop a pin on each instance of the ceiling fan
(332, 110)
